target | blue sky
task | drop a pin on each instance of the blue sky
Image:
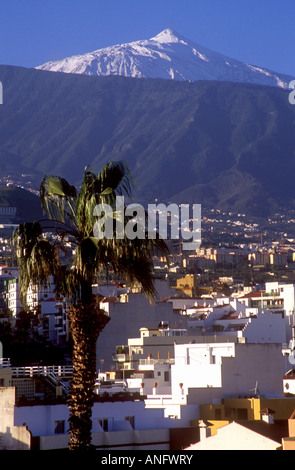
(260, 32)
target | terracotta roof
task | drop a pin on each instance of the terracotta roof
(110, 299)
(221, 306)
(180, 297)
(252, 294)
(230, 316)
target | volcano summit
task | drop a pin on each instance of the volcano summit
(169, 56)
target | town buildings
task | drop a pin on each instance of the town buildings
(130, 312)
(34, 415)
(188, 358)
(50, 311)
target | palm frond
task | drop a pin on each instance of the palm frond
(58, 197)
(114, 179)
(137, 269)
(35, 256)
(117, 176)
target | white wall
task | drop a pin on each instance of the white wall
(228, 370)
(199, 365)
(40, 419)
(12, 436)
(266, 327)
(126, 321)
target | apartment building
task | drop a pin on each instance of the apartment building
(221, 255)
(50, 312)
(12, 296)
(276, 297)
(117, 424)
(128, 314)
(206, 320)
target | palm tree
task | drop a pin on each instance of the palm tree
(37, 248)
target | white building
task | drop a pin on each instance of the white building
(179, 372)
(278, 298)
(209, 372)
(35, 295)
(12, 296)
(34, 414)
(231, 321)
(127, 315)
(223, 370)
(53, 321)
(255, 325)
(51, 313)
(117, 424)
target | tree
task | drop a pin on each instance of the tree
(38, 246)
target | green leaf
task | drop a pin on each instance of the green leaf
(106, 191)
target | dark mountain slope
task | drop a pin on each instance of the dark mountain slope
(215, 143)
(28, 206)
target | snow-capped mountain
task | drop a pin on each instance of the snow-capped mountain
(170, 56)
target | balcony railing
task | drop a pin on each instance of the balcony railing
(159, 400)
(4, 362)
(121, 357)
(65, 371)
(271, 294)
(146, 362)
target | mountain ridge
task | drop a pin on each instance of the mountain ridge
(167, 55)
(220, 144)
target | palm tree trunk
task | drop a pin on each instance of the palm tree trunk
(85, 323)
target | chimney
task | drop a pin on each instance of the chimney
(204, 430)
(267, 415)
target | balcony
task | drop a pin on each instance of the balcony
(62, 371)
(121, 358)
(147, 362)
(4, 362)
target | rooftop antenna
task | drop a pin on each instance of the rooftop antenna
(255, 390)
(291, 356)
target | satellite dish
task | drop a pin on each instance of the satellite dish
(291, 357)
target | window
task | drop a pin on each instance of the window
(59, 427)
(130, 419)
(104, 423)
(166, 376)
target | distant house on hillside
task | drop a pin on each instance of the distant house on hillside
(7, 214)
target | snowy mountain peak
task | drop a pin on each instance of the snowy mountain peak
(167, 36)
(167, 55)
